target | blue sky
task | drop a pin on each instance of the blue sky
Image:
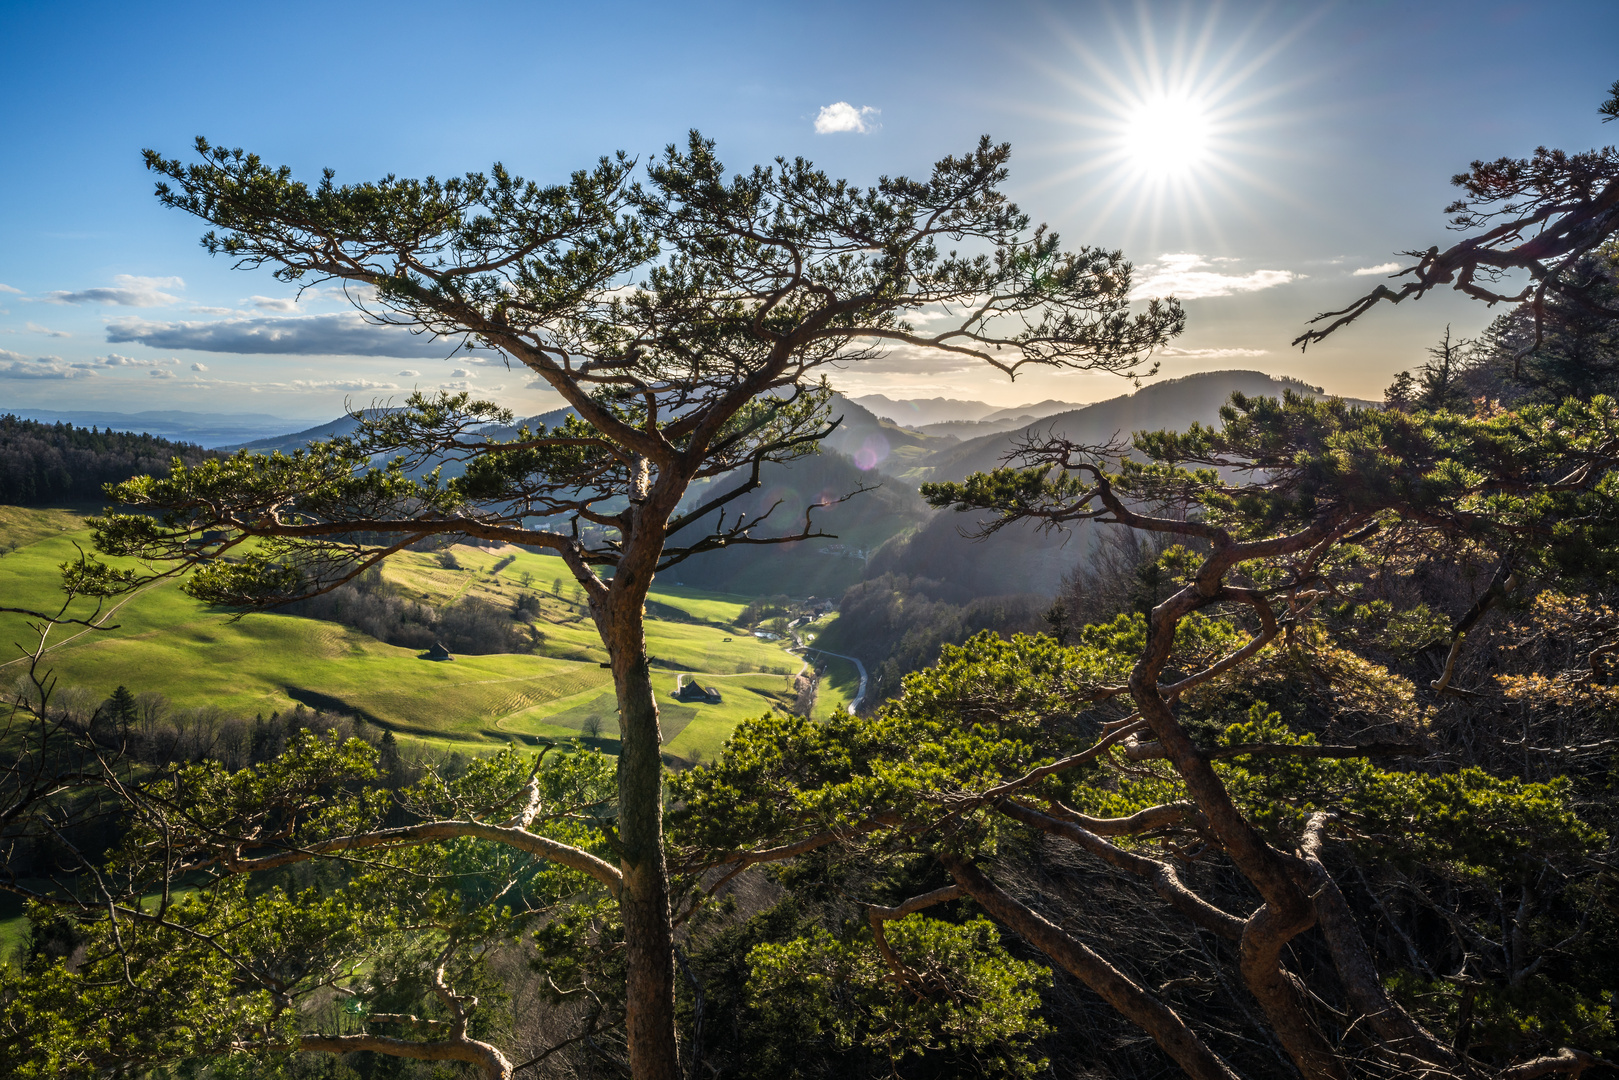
(1333, 131)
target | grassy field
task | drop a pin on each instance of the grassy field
(168, 643)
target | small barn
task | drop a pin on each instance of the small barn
(693, 691)
(439, 652)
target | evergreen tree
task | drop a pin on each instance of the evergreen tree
(685, 320)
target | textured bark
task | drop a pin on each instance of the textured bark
(644, 898)
(1259, 957)
(1395, 1029)
(1286, 911)
(515, 836)
(1158, 1020)
(1161, 876)
(1565, 1061)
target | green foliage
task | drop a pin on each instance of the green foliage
(1495, 480)
(1510, 1020)
(230, 962)
(960, 1004)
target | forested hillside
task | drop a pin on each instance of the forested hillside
(42, 464)
(823, 566)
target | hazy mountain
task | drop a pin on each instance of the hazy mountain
(212, 430)
(821, 567)
(966, 430)
(928, 413)
(297, 440)
(875, 443)
(1172, 403)
(890, 529)
(918, 412)
(1048, 407)
(346, 425)
(1023, 559)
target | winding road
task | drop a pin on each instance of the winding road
(860, 694)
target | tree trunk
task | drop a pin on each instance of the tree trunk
(644, 901)
(1158, 1020)
(1287, 911)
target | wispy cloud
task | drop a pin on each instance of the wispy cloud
(342, 384)
(35, 328)
(154, 373)
(8, 288)
(199, 367)
(461, 373)
(912, 360)
(115, 360)
(273, 303)
(841, 116)
(408, 374)
(126, 291)
(340, 334)
(1210, 354)
(1380, 268)
(1183, 275)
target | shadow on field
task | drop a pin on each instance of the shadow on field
(326, 703)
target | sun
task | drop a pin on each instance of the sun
(1170, 129)
(1166, 137)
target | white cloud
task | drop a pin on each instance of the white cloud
(1211, 354)
(198, 310)
(461, 373)
(538, 384)
(35, 328)
(127, 291)
(408, 374)
(458, 384)
(342, 384)
(912, 360)
(199, 367)
(156, 374)
(16, 366)
(1180, 274)
(273, 303)
(7, 288)
(1380, 268)
(339, 334)
(841, 116)
(114, 360)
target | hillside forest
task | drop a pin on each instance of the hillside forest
(1224, 729)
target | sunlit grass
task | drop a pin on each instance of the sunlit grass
(197, 656)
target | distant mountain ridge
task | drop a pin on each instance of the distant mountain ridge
(925, 412)
(1021, 559)
(916, 412)
(211, 430)
(1168, 404)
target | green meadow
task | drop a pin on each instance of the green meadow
(164, 641)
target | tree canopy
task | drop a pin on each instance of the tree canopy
(685, 317)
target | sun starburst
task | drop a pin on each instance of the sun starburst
(1168, 118)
